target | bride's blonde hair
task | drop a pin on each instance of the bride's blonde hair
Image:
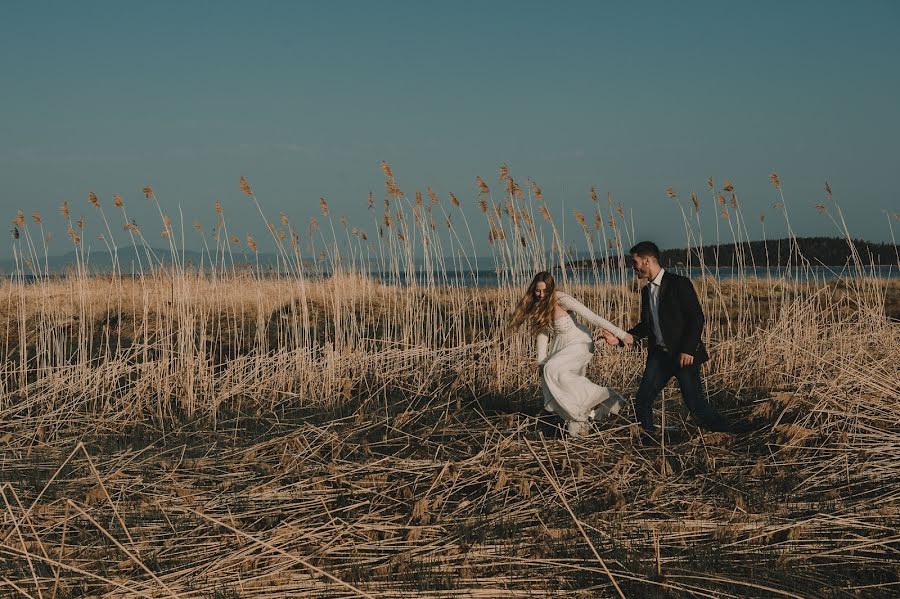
(537, 313)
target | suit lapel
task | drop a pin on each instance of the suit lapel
(645, 303)
(663, 288)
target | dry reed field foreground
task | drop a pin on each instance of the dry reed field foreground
(229, 434)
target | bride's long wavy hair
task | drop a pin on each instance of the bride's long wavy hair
(537, 313)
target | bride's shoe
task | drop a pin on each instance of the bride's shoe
(577, 429)
(617, 404)
(614, 403)
(611, 405)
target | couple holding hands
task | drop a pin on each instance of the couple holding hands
(671, 321)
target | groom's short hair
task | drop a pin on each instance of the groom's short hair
(645, 249)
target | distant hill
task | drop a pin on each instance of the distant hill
(131, 261)
(828, 251)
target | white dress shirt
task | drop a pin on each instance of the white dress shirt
(654, 306)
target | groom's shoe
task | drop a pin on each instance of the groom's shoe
(649, 438)
(718, 425)
(645, 418)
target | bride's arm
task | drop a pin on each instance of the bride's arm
(542, 341)
(567, 302)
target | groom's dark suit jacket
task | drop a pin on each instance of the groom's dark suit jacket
(680, 317)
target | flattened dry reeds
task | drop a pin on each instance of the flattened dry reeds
(330, 432)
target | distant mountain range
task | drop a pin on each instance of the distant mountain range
(829, 251)
(132, 261)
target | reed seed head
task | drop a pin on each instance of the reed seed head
(393, 189)
(245, 187)
(775, 180)
(93, 199)
(545, 213)
(580, 218)
(513, 188)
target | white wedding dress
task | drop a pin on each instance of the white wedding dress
(565, 349)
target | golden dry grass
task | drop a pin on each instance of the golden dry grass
(232, 435)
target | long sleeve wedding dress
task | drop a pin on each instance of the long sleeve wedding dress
(565, 349)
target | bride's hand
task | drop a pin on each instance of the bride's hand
(610, 338)
(628, 340)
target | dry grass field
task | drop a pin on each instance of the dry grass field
(228, 433)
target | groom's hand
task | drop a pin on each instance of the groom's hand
(685, 360)
(610, 338)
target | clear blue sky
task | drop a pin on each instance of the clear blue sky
(305, 99)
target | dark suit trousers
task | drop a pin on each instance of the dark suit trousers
(662, 366)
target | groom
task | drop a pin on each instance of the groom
(672, 322)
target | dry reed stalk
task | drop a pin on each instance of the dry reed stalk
(400, 415)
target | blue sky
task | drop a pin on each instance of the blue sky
(305, 100)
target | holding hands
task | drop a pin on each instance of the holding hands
(613, 340)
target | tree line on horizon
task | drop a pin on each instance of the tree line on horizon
(828, 251)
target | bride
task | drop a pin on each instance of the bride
(564, 349)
